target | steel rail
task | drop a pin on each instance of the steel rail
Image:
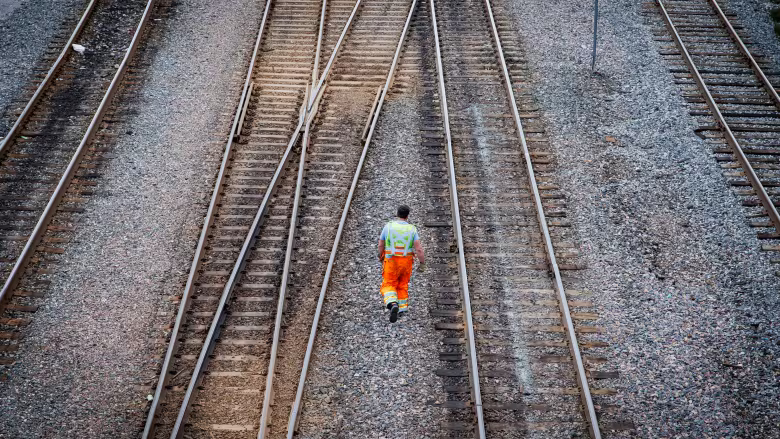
(314, 71)
(292, 232)
(476, 393)
(574, 347)
(265, 412)
(197, 261)
(307, 114)
(750, 173)
(292, 423)
(28, 109)
(54, 201)
(219, 316)
(742, 48)
(326, 72)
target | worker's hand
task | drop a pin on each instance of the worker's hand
(421, 268)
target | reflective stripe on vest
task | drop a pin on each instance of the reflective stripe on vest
(400, 239)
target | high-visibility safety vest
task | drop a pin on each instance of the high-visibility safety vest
(400, 239)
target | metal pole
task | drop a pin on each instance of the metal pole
(595, 32)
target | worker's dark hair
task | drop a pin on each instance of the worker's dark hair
(403, 211)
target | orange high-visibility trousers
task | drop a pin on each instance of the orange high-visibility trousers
(395, 280)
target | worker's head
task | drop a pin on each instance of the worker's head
(403, 211)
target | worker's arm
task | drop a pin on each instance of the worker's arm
(381, 250)
(418, 250)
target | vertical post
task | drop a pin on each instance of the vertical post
(595, 32)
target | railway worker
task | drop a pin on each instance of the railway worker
(399, 243)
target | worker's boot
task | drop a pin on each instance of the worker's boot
(393, 312)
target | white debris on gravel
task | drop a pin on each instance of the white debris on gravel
(26, 28)
(686, 296)
(84, 369)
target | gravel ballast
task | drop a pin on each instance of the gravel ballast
(688, 300)
(758, 24)
(26, 29)
(85, 366)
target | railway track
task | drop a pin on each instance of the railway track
(233, 363)
(728, 85)
(520, 344)
(513, 335)
(51, 156)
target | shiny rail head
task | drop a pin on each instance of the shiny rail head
(160, 391)
(472, 359)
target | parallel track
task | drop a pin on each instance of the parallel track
(729, 87)
(232, 394)
(508, 322)
(49, 157)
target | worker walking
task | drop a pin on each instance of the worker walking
(398, 245)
